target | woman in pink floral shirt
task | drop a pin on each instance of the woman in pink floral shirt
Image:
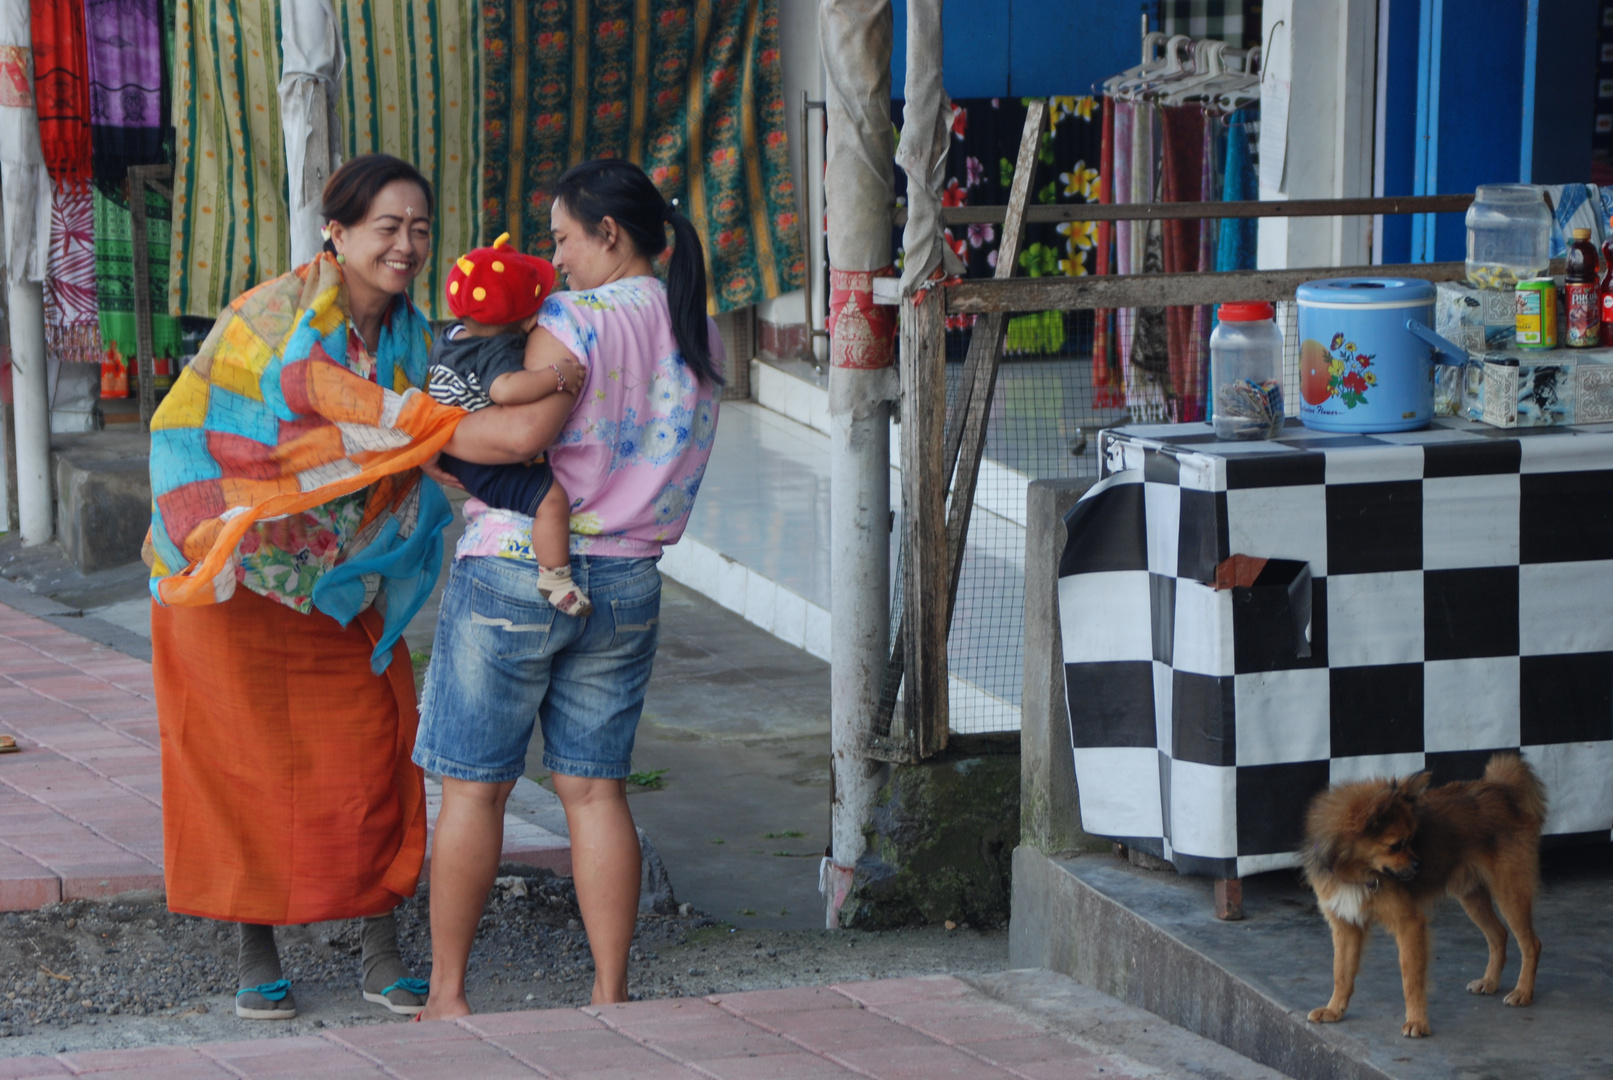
(631, 452)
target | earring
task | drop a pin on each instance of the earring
(341, 260)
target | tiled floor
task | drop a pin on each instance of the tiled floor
(898, 1029)
(80, 805)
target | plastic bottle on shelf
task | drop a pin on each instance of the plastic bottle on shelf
(1605, 291)
(1582, 303)
(1246, 364)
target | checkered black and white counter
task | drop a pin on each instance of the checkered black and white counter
(1461, 603)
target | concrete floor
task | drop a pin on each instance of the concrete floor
(1281, 953)
(739, 720)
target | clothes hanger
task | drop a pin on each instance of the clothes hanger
(1178, 52)
(1151, 61)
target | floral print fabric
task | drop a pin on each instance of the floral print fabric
(634, 451)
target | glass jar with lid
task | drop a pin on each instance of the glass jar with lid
(1508, 235)
(1246, 371)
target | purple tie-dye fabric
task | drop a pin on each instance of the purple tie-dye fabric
(125, 54)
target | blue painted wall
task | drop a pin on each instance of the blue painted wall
(1027, 48)
(1478, 136)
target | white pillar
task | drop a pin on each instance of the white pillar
(1329, 48)
(26, 302)
(857, 37)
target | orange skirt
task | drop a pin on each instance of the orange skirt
(288, 795)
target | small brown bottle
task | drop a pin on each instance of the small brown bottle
(1581, 299)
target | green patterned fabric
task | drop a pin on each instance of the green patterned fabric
(692, 91)
(114, 275)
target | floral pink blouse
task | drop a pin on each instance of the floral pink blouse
(634, 451)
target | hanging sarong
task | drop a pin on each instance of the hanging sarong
(692, 92)
(62, 89)
(72, 327)
(114, 278)
(125, 77)
(410, 89)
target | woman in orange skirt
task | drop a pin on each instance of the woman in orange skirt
(286, 500)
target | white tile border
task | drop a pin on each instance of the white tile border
(797, 621)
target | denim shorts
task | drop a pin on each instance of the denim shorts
(503, 657)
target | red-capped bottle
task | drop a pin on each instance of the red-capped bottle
(1605, 291)
(1581, 295)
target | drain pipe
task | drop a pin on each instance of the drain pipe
(858, 194)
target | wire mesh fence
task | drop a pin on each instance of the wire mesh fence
(1049, 406)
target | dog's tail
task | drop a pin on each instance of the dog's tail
(1513, 773)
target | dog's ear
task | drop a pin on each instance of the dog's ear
(1379, 809)
(1414, 786)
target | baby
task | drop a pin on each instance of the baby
(480, 360)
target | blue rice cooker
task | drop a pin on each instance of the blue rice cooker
(1367, 351)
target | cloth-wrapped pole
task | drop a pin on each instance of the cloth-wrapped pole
(24, 183)
(922, 153)
(312, 59)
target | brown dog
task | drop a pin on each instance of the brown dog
(1385, 850)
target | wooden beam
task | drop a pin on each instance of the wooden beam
(140, 176)
(1042, 215)
(924, 493)
(1159, 290)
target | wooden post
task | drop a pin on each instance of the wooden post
(1229, 899)
(141, 177)
(924, 490)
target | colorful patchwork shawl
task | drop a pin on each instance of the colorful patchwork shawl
(125, 70)
(269, 421)
(692, 91)
(62, 89)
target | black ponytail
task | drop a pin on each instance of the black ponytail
(617, 189)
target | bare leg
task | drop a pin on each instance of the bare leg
(1482, 912)
(464, 861)
(1348, 939)
(1411, 935)
(605, 865)
(1517, 903)
(551, 543)
(551, 529)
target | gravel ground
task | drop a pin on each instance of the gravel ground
(87, 975)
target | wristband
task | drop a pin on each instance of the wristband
(560, 380)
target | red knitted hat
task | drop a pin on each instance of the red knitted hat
(498, 285)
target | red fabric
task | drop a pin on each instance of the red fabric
(1182, 165)
(62, 88)
(288, 795)
(1106, 389)
(862, 334)
(498, 285)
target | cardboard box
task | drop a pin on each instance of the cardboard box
(1540, 388)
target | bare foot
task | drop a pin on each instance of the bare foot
(449, 1008)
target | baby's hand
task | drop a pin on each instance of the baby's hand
(573, 372)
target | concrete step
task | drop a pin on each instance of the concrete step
(103, 496)
(1150, 939)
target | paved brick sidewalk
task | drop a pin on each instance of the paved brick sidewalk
(80, 806)
(899, 1029)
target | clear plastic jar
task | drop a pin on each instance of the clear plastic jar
(1508, 235)
(1246, 373)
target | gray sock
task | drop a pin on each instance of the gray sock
(383, 966)
(257, 963)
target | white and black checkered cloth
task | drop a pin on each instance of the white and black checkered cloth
(1462, 603)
